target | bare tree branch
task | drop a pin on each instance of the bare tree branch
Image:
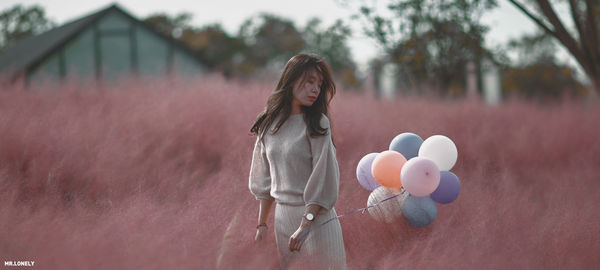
(577, 19)
(563, 36)
(583, 34)
(533, 17)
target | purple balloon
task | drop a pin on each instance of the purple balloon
(363, 172)
(448, 189)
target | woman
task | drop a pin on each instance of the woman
(294, 164)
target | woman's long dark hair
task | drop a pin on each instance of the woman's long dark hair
(280, 101)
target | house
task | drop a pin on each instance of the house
(104, 46)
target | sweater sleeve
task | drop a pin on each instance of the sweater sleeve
(323, 184)
(260, 178)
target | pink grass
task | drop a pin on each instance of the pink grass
(154, 176)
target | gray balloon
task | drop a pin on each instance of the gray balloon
(407, 144)
(419, 211)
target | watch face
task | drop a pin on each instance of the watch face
(310, 216)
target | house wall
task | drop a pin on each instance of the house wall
(47, 74)
(152, 52)
(115, 47)
(185, 66)
(79, 56)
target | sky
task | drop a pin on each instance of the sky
(505, 22)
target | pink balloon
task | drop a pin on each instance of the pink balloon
(420, 176)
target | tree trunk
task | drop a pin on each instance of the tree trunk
(593, 73)
(596, 85)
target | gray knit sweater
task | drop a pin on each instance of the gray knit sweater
(294, 168)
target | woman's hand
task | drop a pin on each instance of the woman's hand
(261, 233)
(297, 239)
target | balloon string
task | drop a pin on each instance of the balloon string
(362, 210)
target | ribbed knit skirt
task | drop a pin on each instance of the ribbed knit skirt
(323, 248)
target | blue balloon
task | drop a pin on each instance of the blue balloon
(448, 189)
(407, 144)
(419, 211)
(363, 172)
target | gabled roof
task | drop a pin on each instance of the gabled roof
(34, 49)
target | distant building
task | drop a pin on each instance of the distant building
(104, 46)
(491, 84)
(483, 79)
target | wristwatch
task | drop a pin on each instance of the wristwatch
(309, 216)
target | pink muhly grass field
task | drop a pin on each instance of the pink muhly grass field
(155, 176)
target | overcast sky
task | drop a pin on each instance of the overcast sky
(506, 22)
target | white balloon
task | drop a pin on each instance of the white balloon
(441, 150)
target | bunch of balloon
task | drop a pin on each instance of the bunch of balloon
(409, 178)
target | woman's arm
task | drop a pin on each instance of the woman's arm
(260, 187)
(297, 239)
(263, 214)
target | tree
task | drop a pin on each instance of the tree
(431, 40)
(210, 43)
(534, 48)
(19, 22)
(264, 42)
(217, 49)
(171, 26)
(271, 41)
(331, 44)
(582, 41)
(537, 74)
(541, 80)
